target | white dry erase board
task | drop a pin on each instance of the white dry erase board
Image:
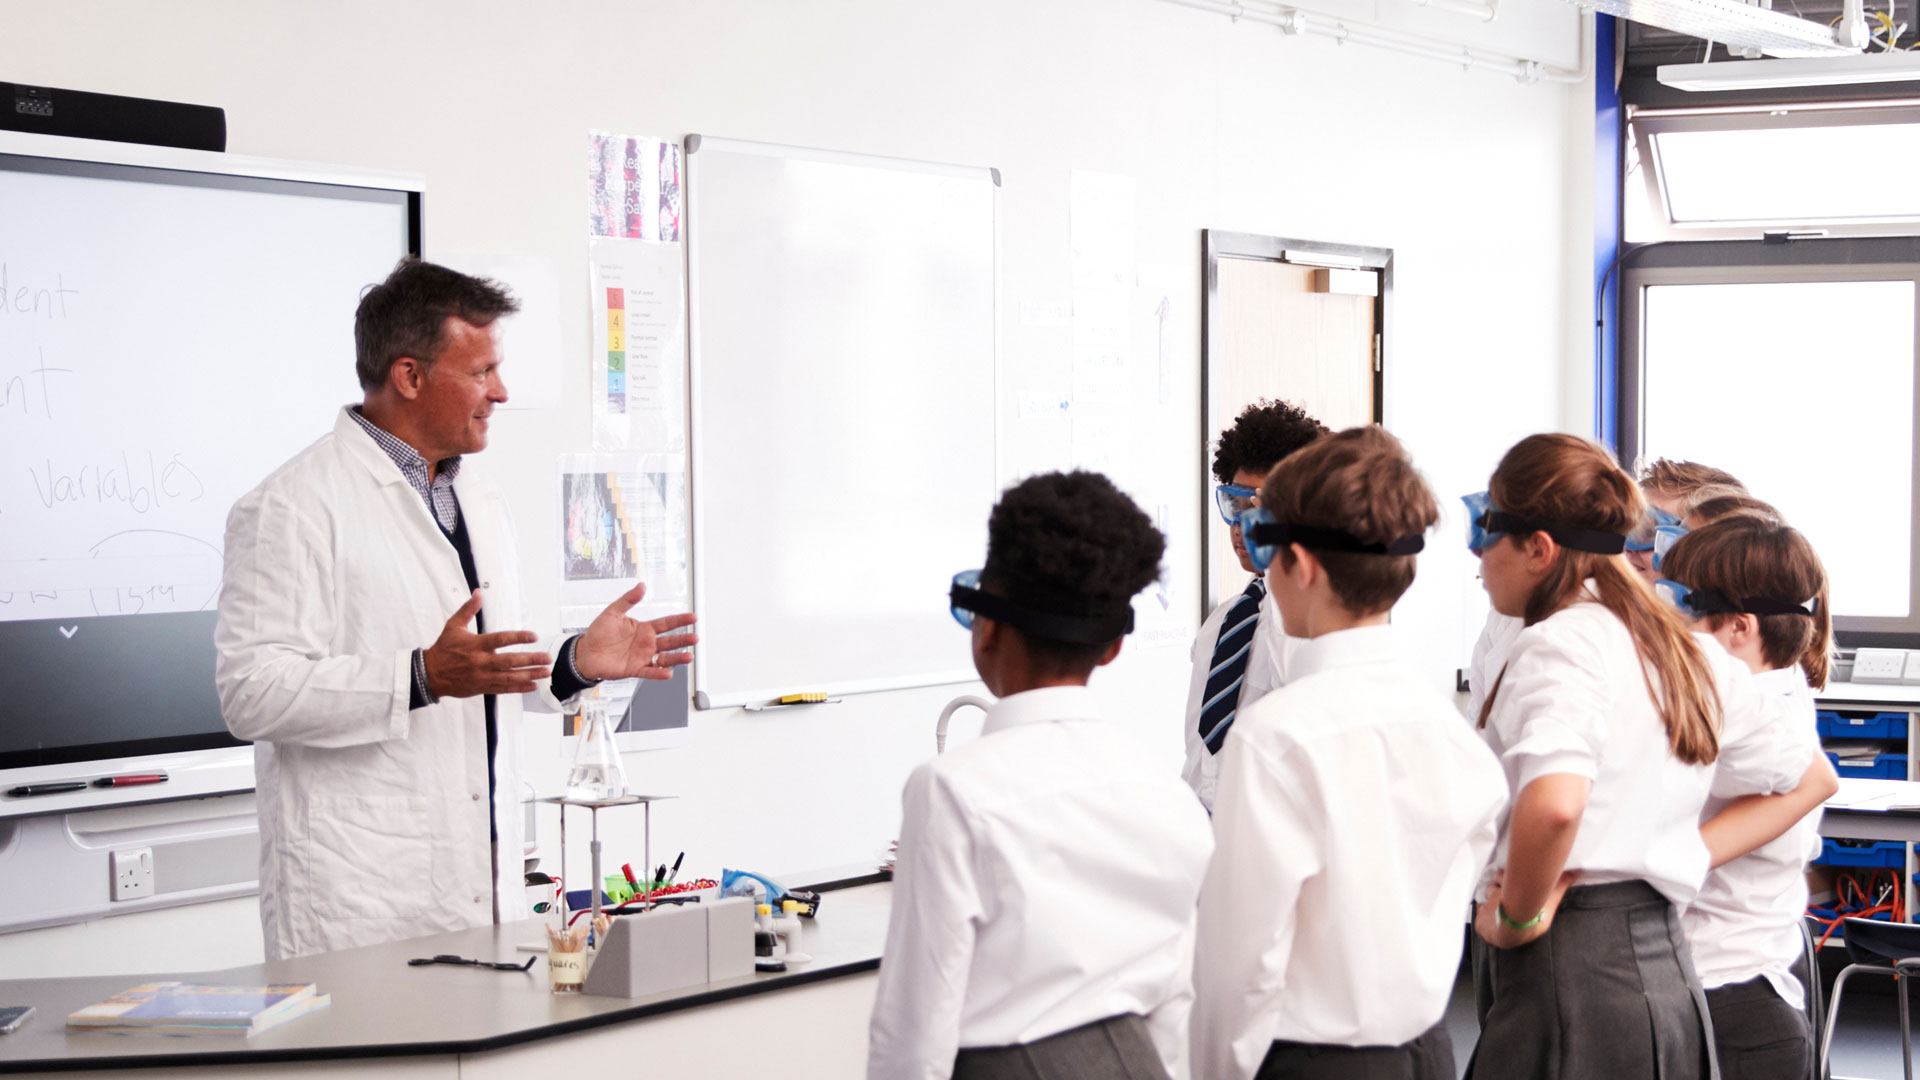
(842, 442)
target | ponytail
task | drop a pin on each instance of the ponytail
(1566, 479)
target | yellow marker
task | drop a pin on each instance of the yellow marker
(801, 699)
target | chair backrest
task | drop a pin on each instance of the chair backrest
(1872, 942)
(1814, 1001)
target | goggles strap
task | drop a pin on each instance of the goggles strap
(1320, 538)
(1073, 629)
(1592, 541)
(1715, 602)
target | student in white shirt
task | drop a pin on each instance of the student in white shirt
(1240, 652)
(1759, 588)
(1355, 811)
(1044, 891)
(1614, 723)
(1668, 487)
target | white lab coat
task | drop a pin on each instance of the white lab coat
(373, 819)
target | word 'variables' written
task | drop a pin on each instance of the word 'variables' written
(140, 483)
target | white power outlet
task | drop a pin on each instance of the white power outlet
(1879, 665)
(1911, 674)
(132, 873)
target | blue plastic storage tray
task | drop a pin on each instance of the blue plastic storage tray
(1884, 767)
(1886, 725)
(1879, 853)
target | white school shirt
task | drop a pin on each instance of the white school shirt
(1046, 879)
(1490, 658)
(1746, 920)
(1355, 816)
(1575, 701)
(1266, 672)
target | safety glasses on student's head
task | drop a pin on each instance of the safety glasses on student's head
(1478, 538)
(1642, 539)
(1700, 603)
(1264, 538)
(968, 580)
(1664, 537)
(1486, 524)
(966, 598)
(1234, 500)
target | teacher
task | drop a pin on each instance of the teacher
(370, 597)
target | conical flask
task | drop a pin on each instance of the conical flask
(597, 773)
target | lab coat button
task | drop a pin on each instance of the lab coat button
(476, 899)
(476, 798)
(486, 584)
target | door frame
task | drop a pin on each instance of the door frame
(1215, 245)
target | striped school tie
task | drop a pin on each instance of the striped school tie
(1229, 667)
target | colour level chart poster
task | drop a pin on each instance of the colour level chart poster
(639, 342)
(637, 356)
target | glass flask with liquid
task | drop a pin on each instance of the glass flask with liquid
(597, 773)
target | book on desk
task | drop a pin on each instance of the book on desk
(177, 1008)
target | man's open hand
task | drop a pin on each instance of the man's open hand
(465, 664)
(616, 647)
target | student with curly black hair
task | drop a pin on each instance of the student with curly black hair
(1044, 893)
(1240, 651)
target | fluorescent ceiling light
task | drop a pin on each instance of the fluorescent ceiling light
(1899, 66)
(1730, 22)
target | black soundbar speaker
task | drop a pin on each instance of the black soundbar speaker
(83, 115)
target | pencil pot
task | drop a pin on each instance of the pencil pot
(567, 971)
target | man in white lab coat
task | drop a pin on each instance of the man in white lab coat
(370, 597)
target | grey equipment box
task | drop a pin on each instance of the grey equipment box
(672, 947)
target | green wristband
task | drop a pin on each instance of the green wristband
(1508, 921)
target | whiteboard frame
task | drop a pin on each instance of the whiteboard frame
(703, 698)
(209, 771)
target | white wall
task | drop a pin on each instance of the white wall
(1477, 183)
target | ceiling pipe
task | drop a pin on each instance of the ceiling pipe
(1295, 21)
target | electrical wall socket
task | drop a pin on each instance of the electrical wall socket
(132, 873)
(1879, 665)
(1910, 675)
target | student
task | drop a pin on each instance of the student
(1708, 504)
(1239, 653)
(1759, 588)
(1613, 723)
(1043, 897)
(1355, 811)
(1668, 486)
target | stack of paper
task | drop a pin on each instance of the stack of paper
(176, 1008)
(1857, 794)
(1855, 751)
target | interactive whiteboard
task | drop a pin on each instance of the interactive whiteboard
(173, 326)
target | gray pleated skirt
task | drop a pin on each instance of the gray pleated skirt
(1116, 1048)
(1608, 994)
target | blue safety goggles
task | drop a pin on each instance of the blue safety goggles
(1234, 500)
(965, 599)
(1700, 603)
(1265, 537)
(1478, 504)
(1664, 537)
(1643, 539)
(1486, 525)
